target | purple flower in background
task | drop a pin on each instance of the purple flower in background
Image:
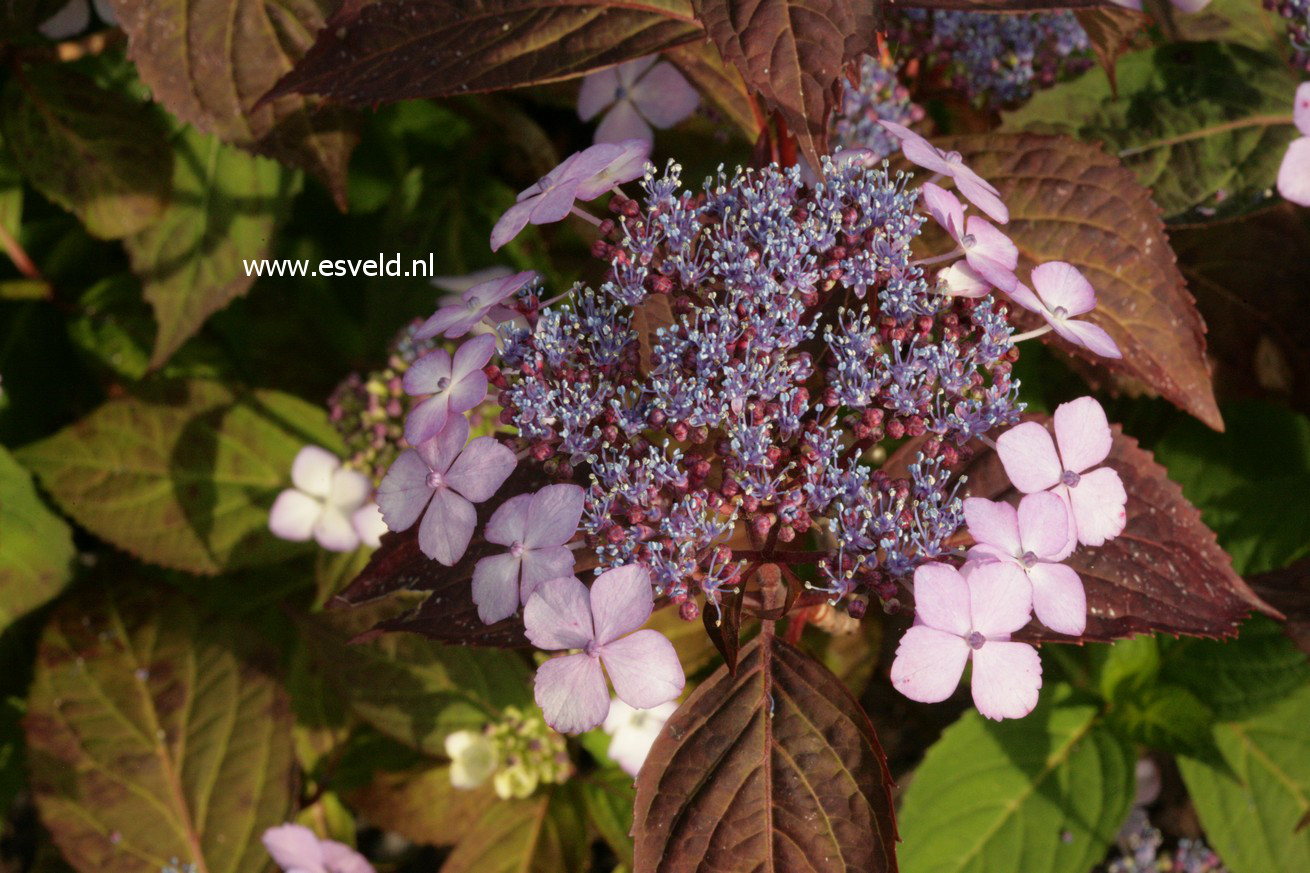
(562, 614)
(640, 94)
(481, 301)
(1035, 539)
(322, 502)
(964, 614)
(296, 849)
(988, 252)
(535, 527)
(1062, 293)
(456, 384)
(1095, 499)
(1294, 172)
(445, 477)
(975, 188)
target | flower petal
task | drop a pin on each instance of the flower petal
(1062, 285)
(496, 587)
(623, 122)
(980, 193)
(1083, 433)
(1098, 506)
(1000, 598)
(631, 71)
(664, 96)
(469, 391)
(550, 562)
(964, 281)
(945, 209)
(369, 524)
(340, 858)
(455, 320)
(626, 165)
(1301, 108)
(1006, 679)
(404, 491)
(427, 419)
(1090, 336)
(918, 150)
(481, 469)
(644, 669)
(1043, 525)
(571, 693)
(424, 375)
(294, 847)
(1024, 296)
(928, 664)
(441, 451)
(293, 516)
(1028, 454)
(558, 615)
(598, 90)
(508, 523)
(621, 601)
(350, 490)
(472, 356)
(994, 524)
(334, 532)
(312, 470)
(941, 598)
(1058, 597)
(447, 528)
(459, 284)
(509, 225)
(554, 516)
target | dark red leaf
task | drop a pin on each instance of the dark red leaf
(724, 627)
(775, 768)
(400, 49)
(1289, 590)
(792, 52)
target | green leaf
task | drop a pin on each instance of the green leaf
(153, 736)
(1042, 794)
(96, 153)
(36, 547)
(609, 797)
(412, 689)
(1253, 808)
(1125, 665)
(1204, 125)
(1239, 677)
(226, 204)
(1237, 21)
(544, 834)
(114, 326)
(11, 193)
(1164, 717)
(422, 806)
(184, 474)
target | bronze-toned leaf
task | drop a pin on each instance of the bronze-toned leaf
(1070, 201)
(719, 84)
(775, 768)
(724, 627)
(1111, 33)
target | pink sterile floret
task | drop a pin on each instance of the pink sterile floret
(296, 849)
(1096, 499)
(456, 384)
(1062, 293)
(323, 502)
(535, 527)
(445, 477)
(562, 614)
(1294, 172)
(640, 93)
(975, 188)
(959, 616)
(987, 252)
(483, 300)
(1035, 539)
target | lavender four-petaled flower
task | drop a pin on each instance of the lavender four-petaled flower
(484, 300)
(975, 188)
(457, 384)
(1062, 293)
(987, 252)
(639, 94)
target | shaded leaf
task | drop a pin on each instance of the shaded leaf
(1203, 125)
(192, 261)
(1164, 573)
(1251, 808)
(36, 546)
(609, 797)
(403, 49)
(1043, 794)
(1238, 21)
(792, 53)
(182, 475)
(1069, 201)
(209, 62)
(1164, 717)
(719, 83)
(544, 834)
(1289, 591)
(96, 153)
(422, 806)
(774, 768)
(152, 738)
(1111, 32)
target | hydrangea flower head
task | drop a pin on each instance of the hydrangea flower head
(296, 849)
(1062, 293)
(988, 252)
(604, 623)
(1096, 498)
(878, 96)
(322, 503)
(633, 732)
(639, 94)
(970, 615)
(445, 477)
(975, 188)
(484, 300)
(1034, 538)
(535, 527)
(456, 385)
(1294, 172)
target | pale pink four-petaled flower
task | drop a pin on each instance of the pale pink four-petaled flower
(604, 623)
(970, 614)
(445, 477)
(297, 849)
(975, 188)
(1033, 539)
(1095, 497)
(327, 504)
(456, 384)
(1294, 172)
(535, 527)
(484, 300)
(1062, 293)
(988, 253)
(638, 94)
(583, 175)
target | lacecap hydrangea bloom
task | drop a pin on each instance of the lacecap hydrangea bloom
(714, 403)
(879, 96)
